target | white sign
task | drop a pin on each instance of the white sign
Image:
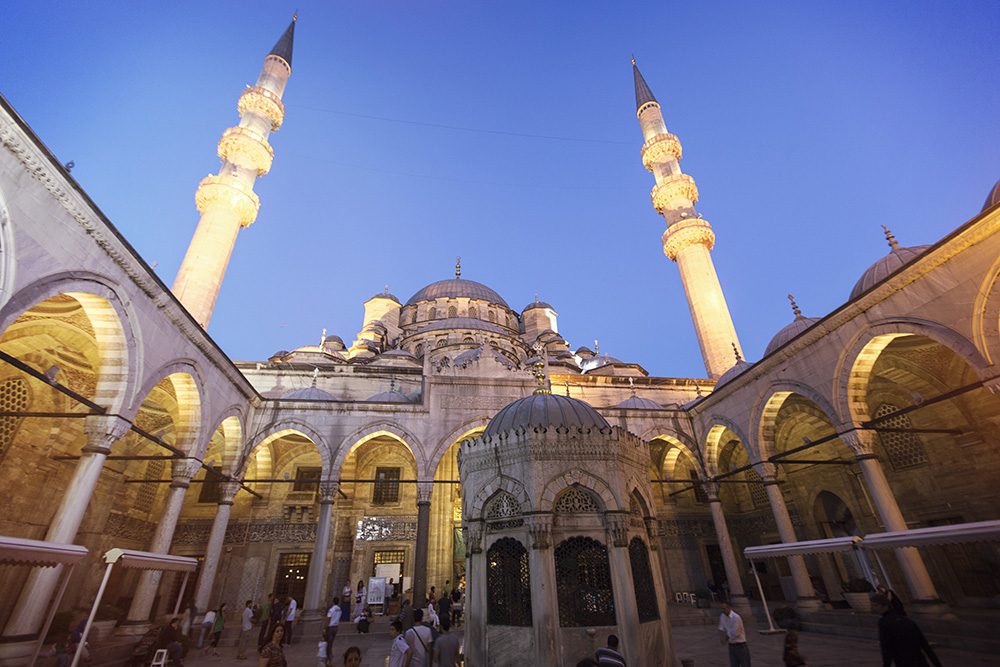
(376, 589)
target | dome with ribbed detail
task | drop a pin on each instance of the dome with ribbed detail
(789, 332)
(639, 403)
(309, 394)
(738, 368)
(885, 267)
(546, 411)
(457, 287)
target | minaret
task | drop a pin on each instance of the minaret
(688, 238)
(227, 202)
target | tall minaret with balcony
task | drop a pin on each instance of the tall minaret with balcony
(688, 238)
(227, 202)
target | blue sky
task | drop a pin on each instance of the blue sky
(805, 125)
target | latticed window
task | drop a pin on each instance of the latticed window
(473, 313)
(306, 478)
(414, 319)
(508, 584)
(492, 316)
(700, 495)
(904, 449)
(452, 311)
(642, 581)
(209, 489)
(15, 396)
(432, 313)
(583, 583)
(147, 492)
(573, 500)
(387, 488)
(290, 577)
(758, 494)
(503, 512)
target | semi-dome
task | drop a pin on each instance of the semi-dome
(457, 287)
(309, 394)
(883, 268)
(547, 411)
(639, 403)
(993, 198)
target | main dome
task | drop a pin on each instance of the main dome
(547, 411)
(457, 287)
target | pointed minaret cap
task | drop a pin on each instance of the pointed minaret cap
(283, 49)
(643, 94)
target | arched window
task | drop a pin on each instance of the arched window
(15, 396)
(903, 448)
(583, 583)
(574, 501)
(452, 311)
(469, 340)
(758, 494)
(432, 313)
(473, 313)
(503, 512)
(508, 584)
(414, 320)
(642, 581)
(493, 316)
(419, 352)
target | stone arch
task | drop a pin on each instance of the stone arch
(374, 430)
(275, 430)
(647, 504)
(986, 315)
(577, 477)
(713, 442)
(680, 444)
(501, 484)
(857, 360)
(765, 413)
(7, 265)
(118, 347)
(188, 384)
(464, 430)
(227, 456)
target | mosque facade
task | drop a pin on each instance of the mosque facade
(123, 424)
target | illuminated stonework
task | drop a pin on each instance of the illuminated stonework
(264, 102)
(239, 145)
(672, 188)
(229, 193)
(660, 147)
(687, 233)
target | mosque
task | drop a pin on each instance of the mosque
(460, 438)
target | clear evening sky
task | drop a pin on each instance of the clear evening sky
(806, 126)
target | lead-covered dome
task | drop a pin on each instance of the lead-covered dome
(789, 332)
(547, 411)
(309, 394)
(457, 287)
(639, 403)
(883, 268)
(993, 198)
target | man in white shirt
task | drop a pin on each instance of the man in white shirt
(332, 625)
(245, 629)
(731, 631)
(400, 653)
(419, 638)
(290, 620)
(387, 595)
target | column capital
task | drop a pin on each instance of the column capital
(652, 531)
(862, 443)
(768, 472)
(227, 492)
(473, 532)
(424, 491)
(182, 470)
(616, 525)
(540, 529)
(712, 491)
(328, 492)
(103, 431)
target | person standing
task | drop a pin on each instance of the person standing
(265, 621)
(272, 655)
(609, 656)
(245, 627)
(420, 638)
(731, 632)
(387, 596)
(323, 652)
(206, 627)
(290, 619)
(217, 628)
(406, 615)
(332, 625)
(360, 593)
(345, 601)
(400, 653)
(447, 645)
(899, 637)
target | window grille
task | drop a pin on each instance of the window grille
(452, 311)
(413, 320)
(147, 492)
(700, 495)
(473, 313)
(290, 577)
(573, 500)
(758, 494)
(432, 313)
(15, 396)
(905, 450)
(503, 512)
(508, 584)
(583, 583)
(642, 581)
(386, 491)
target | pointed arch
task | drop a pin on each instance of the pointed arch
(468, 429)
(374, 430)
(765, 413)
(713, 442)
(580, 478)
(502, 484)
(276, 430)
(188, 382)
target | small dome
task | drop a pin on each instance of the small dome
(397, 353)
(309, 394)
(639, 403)
(457, 287)
(537, 304)
(389, 397)
(993, 198)
(279, 355)
(597, 362)
(883, 268)
(547, 411)
(789, 332)
(738, 368)
(463, 323)
(385, 295)
(580, 351)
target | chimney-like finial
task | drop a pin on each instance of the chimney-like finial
(295, 16)
(322, 338)
(392, 383)
(539, 372)
(736, 351)
(795, 308)
(891, 239)
(597, 349)
(315, 375)
(458, 267)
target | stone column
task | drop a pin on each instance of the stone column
(656, 564)
(475, 596)
(424, 490)
(738, 599)
(807, 599)
(314, 604)
(925, 597)
(102, 431)
(137, 621)
(203, 594)
(623, 588)
(544, 599)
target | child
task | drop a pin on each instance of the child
(321, 659)
(791, 656)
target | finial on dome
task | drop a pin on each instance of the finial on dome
(536, 297)
(458, 267)
(315, 375)
(539, 372)
(795, 307)
(392, 383)
(697, 390)
(566, 382)
(631, 385)
(736, 351)
(891, 239)
(633, 59)
(386, 289)
(597, 349)
(322, 338)
(295, 16)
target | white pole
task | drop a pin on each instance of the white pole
(52, 613)
(177, 606)
(760, 588)
(885, 575)
(90, 619)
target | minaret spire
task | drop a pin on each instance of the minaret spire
(688, 238)
(227, 201)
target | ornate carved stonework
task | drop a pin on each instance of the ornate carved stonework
(275, 531)
(674, 186)
(686, 233)
(104, 430)
(616, 525)
(130, 528)
(385, 529)
(328, 492)
(264, 102)
(540, 528)
(473, 533)
(240, 144)
(659, 147)
(230, 194)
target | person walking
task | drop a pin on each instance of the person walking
(400, 653)
(206, 627)
(332, 625)
(217, 627)
(245, 627)
(323, 651)
(420, 638)
(290, 616)
(609, 656)
(899, 637)
(265, 621)
(272, 655)
(446, 646)
(406, 615)
(731, 632)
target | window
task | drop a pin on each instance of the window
(290, 577)
(147, 492)
(432, 313)
(209, 489)
(386, 491)
(306, 478)
(758, 494)
(508, 584)
(700, 495)
(15, 396)
(904, 449)
(492, 316)
(583, 583)
(642, 581)
(452, 311)
(574, 501)
(473, 313)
